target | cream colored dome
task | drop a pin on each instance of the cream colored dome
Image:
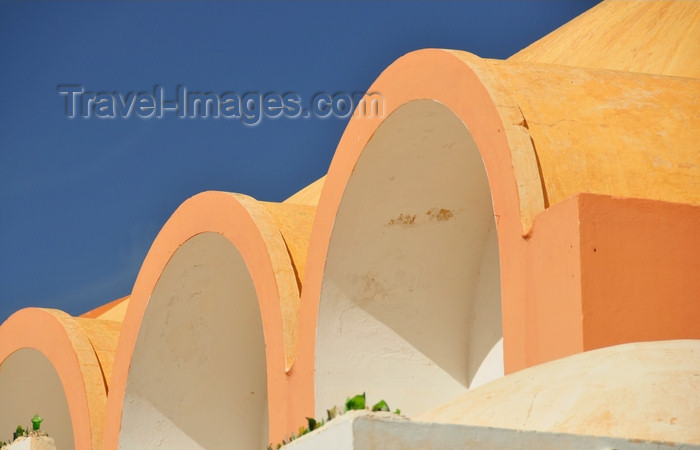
(647, 390)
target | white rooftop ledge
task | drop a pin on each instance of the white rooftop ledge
(32, 443)
(364, 430)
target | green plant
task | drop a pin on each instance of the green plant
(36, 422)
(355, 403)
(332, 412)
(18, 432)
(381, 406)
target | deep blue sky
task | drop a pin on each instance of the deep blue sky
(81, 200)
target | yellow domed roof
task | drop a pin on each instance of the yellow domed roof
(657, 37)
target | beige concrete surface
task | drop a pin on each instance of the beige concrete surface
(645, 390)
(32, 443)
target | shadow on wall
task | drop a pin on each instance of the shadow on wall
(410, 304)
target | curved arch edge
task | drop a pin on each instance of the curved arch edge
(251, 229)
(59, 337)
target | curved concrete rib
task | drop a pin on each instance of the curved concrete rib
(49, 367)
(220, 272)
(452, 142)
(104, 338)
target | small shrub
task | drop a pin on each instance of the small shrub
(18, 432)
(351, 404)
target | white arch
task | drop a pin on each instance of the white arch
(198, 376)
(410, 301)
(29, 384)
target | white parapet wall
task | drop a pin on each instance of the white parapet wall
(364, 430)
(32, 443)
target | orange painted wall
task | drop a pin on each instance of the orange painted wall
(541, 294)
(598, 271)
(640, 271)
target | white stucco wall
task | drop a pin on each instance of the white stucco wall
(198, 374)
(410, 302)
(361, 430)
